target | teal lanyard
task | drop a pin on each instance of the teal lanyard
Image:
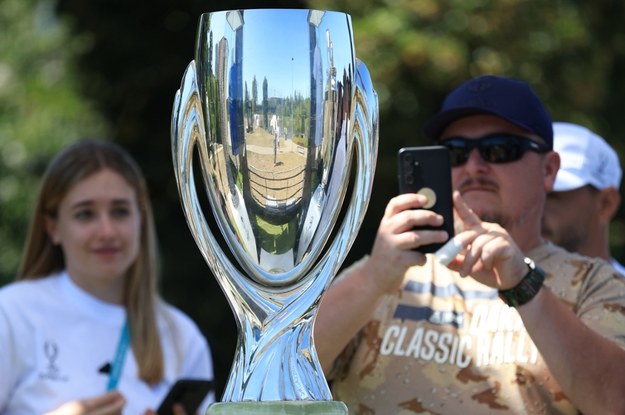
(120, 356)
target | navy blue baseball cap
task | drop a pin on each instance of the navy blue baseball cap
(508, 98)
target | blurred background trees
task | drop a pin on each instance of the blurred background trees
(41, 109)
(110, 68)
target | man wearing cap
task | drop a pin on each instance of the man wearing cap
(513, 324)
(585, 196)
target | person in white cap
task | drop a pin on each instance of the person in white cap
(585, 195)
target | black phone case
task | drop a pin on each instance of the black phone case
(423, 168)
(188, 392)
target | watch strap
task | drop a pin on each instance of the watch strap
(527, 289)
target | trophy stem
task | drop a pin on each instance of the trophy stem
(277, 362)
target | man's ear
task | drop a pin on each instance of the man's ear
(609, 202)
(551, 167)
(50, 224)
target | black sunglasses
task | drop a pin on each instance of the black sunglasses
(494, 148)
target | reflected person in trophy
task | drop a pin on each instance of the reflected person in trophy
(276, 216)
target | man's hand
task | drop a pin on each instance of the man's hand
(489, 255)
(393, 250)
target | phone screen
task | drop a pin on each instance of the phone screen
(427, 170)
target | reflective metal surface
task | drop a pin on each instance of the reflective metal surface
(276, 106)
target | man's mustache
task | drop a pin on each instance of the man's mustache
(477, 183)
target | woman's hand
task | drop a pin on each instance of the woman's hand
(110, 403)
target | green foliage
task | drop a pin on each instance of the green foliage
(40, 111)
(299, 140)
(276, 239)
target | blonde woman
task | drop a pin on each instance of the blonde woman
(83, 330)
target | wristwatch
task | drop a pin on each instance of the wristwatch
(525, 290)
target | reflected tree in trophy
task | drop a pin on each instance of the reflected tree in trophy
(279, 113)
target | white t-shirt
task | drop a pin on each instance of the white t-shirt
(55, 339)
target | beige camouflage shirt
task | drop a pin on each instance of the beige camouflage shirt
(448, 345)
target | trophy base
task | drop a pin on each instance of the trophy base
(278, 408)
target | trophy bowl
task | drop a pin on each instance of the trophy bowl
(281, 117)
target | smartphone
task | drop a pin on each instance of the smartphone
(427, 170)
(188, 392)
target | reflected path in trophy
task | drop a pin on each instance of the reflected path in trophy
(281, 115)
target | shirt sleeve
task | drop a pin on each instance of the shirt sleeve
(199, 363)
(192, 350)
(7, 357)
(601, 302)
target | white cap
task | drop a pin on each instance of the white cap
(585, 158)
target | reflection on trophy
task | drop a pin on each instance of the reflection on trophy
(274, 107)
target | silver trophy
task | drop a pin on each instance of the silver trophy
(273, 108)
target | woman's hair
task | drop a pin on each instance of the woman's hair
(41, 257)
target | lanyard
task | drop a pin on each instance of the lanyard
(120, 355)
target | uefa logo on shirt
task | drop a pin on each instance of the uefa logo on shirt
(51, 372)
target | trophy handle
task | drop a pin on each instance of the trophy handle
(187, 132)
(365, 129)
